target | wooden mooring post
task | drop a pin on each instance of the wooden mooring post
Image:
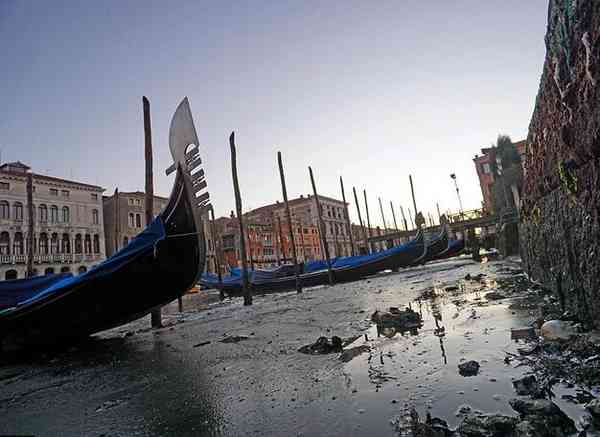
(156, 318)
(394, 216)
(404, 218)
(238, 207)
(283, 253)
(368, 219)
(382, 216)
(29, 224)
(353, 251)
(216, 246)
(412, 191)
(321, 226)
(289, 221)
(362, 226)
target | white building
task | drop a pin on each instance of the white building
(68, 225)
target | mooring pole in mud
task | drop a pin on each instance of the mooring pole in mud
(116, 218)
(156, 318)
(347, 217)
(368, 219)
(321, 226)
(302, 242)
(276, 239)
(238, 207)
(404, 218)
(289, 221)
(362, 226)
(29, 224)
(412, 191)
(283, 254)
(217, 246)
(382, 216)
(394, 216)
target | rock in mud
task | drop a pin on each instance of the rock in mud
(543, 418)
(593, 407)
(470, 368)
(527, 386)
(558, 330)
(487, 425)
(349, 354)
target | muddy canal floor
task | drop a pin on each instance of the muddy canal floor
(185, 380)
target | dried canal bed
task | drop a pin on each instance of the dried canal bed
(225, 369)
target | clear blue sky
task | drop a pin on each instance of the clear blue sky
(370, 90)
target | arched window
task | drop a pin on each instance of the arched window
(78, 244)
(65, 214)
(18, 243)
(54, 214)
(10, 274)
(18, 206)
(43, 247)
(95, 216)
(54, 243)
(49, 271)
(138, 221)
(65, 269)
(131, 220)
(88, 244)
(4, 243)
(96, 243)
(125, 241)
(65, 244)
(4, 210)
(82, 269)
(43, 213)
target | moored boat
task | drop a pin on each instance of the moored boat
(155, 268)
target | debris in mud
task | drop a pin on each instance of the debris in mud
(528, 386)
(477, 278)
(349, 354)
(234, 339)
(204, 343)
(407, 319)
(495, 295)
(451, 288)
(470, 368)
(323, 346)
(524, 333)
(542, 417)
(558, 330)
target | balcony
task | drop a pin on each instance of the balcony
(56, 258)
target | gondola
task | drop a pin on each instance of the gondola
(436, 245)
(455, 248)
(344, 269)
(155, 268)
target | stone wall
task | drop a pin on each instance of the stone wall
(560, 224)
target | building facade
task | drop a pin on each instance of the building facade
(125, 217)
(485, 164)
(68, 226)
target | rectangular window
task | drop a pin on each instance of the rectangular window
(130, 201)
(4, 186)
(94, 196)
(53, 192)
(65, 193)
(486, 168)
(138, 202)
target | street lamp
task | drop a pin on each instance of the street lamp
(453, 177)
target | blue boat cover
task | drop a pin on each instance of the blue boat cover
(25, 291)
(235, 279)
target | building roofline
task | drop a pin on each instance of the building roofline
(40, 177)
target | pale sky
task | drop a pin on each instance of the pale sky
(372, 91)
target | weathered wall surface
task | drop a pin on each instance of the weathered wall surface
(560, 228)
